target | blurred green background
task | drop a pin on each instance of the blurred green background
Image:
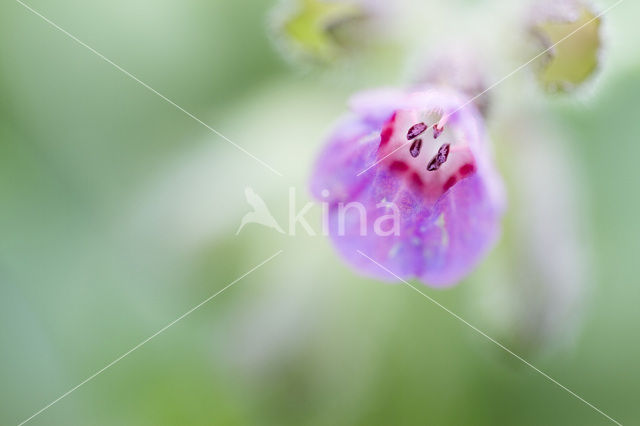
(118, 214)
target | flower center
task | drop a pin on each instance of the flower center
(427, 149)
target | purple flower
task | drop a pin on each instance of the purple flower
(408, 180)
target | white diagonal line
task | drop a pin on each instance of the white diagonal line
(458, 317)
(389, 154)
(145, 85)
(148, 338)
(492, 86)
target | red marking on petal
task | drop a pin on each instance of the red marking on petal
(416, 180)
(386, 135)
(398, 166)
(387, 131)
(467, 169)
(449, 183)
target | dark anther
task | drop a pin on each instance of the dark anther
(416, 130)
(415, 148)
(437, 131)
(439, 159)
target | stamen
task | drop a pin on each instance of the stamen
(416, 130)
(433, 164)
(415, 148)
(439, 159)
(437, 131)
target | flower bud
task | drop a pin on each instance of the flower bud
(575, 27)
(458, 67)
(322, 31)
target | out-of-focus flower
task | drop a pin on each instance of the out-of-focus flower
(457, 67)
(576, 58)
(432, 163)
(324, 30)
